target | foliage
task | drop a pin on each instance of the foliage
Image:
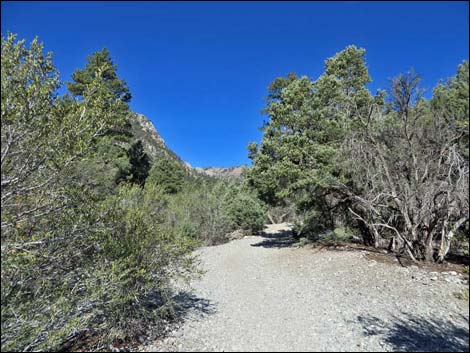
(410, 179)
(79, 254)
(118, 152)
(463, 295)
(340, 234)
(243, 209)
(42, 136)
(112, 280)
(99, 64)
(297, 161)
(451, 100)
(143, 253)
(198, 210)
(168, 174)
(208, 209)
(396, 171)
(140, 163)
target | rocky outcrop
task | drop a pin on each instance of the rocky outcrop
(144, 130)
(230, 172)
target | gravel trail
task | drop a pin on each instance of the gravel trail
(262, 294)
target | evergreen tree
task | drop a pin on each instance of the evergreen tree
(168, 174)
(112, 148)
(140, 163)
(451, 99)
(99, 64)
(307, 121)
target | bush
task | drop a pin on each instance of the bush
(114, 280)
(140, 254)
(78, 253)
(340, 234)
(168, 174)
(197, 211)
(208, 210)
(246, 212)
(307, 226)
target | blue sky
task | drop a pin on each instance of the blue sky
(199, 70)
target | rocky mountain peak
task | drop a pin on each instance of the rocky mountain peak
(155, 147)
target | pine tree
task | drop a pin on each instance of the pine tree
(140, 163)
(297, 159)
(99, 64)
(112, 146)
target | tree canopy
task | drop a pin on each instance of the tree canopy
(378, 164)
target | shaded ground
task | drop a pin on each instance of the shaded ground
(455, 262)
(415, 333)
(263, 294)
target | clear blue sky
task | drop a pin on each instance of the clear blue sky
(199, 70)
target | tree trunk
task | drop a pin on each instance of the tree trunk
(446, 238)
(281, 218)
(428, 247)
(392, 245)
(445, 245)
(271, 218)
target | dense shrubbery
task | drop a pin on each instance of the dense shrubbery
(110, 277)
(209, 209)
(92, 233)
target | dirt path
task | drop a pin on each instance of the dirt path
(262, 294)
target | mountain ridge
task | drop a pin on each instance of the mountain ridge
(222, 172)
(155, 147)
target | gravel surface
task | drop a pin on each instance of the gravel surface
(263, 294)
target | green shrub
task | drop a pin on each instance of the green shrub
(140, 254)
(168, 174)
(79, 254)
(313, 230)
(462, 295)
(302, 242)
(198, 211)
(246, 212)
(208, 210)
(114, 280)
(307, 225)
(340, 234)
